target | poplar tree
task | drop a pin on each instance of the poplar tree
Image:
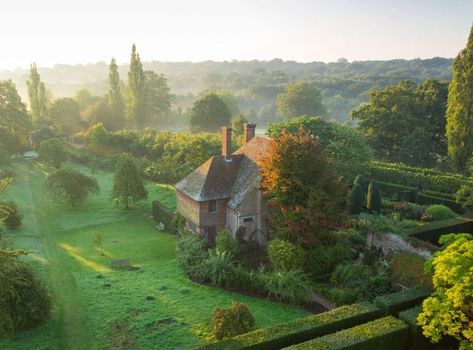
(115, 99)
(136, 85)
(37, 96)
(460, 108)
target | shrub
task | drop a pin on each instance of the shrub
(13, 216)
(235, 320)
(382, 334)
(218, 269)
(190, 252)
(55, 151)
(395, 302)
(321, 260)
(440, 212)
(284, 255)
(355, 200)
(407, 269)
(360, 180)
(27, 305)
(374, 197)
(290, 285)
(226, 243)
(299, 330)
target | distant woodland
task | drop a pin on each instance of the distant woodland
(248, 87)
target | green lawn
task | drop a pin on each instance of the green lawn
(88, 296)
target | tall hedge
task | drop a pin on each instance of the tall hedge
(356, 199)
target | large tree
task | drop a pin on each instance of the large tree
(158, 98)
(305, 195)
(71, 186)
(55, 151)
(300, 98)
(37, 95)
(209, 113)
(115, 99)
(449, 310)
(64, 115)
(460, 108)
(128, 185)
(136, 112)
(14, 118)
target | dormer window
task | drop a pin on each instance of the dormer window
(213, 207)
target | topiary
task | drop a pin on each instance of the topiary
(374, 197)
(226, 243)
(360, 180)
(285, 256)
(355, 200)
(439, 212)
(232, 321)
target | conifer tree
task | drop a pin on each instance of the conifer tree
(136, 86)
(460, 108)
(127, 183)
(115, 99)
(360, 180)
(356, 199)
(37, 96)
(374, 197)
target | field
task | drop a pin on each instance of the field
(154, 307)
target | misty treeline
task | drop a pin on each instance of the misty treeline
(250, 87)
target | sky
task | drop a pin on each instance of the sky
(84, 31)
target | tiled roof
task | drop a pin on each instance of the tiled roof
(219, 178)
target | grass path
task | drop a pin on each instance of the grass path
(73, 326)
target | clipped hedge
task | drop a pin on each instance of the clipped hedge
(385, 333)
(300, 330)
(432, 179)
(432, 232)
(162, 214)
(393, 303)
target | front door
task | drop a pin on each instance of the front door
(248, 224)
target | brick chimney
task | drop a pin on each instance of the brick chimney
(248, 131)
(226, 142)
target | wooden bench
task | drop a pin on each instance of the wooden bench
(120, 264)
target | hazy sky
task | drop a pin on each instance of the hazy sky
(82, 31)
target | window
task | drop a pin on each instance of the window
(247, 219)
(213, 206)
(192, 227)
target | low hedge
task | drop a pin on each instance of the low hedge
(300, 330)
(417, 341)
(162, 214)
(393, 303)
(432, 232)
(384, 333)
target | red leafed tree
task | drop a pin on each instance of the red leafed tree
(305, 196)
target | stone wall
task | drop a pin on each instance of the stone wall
(390, 242)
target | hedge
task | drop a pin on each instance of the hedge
(393, 303)
(162, 214)
(300, 330)
(432, 232)
(384, 333)
(417, 341)
(432, 179)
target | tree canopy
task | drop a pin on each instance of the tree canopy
(128, 185)
(305, 196)
(37, 95)
(300, 98)
(136, 90)
(64, 115)
(209, 113)
(460, 108)
(115, 98)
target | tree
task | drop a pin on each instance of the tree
(101, 112)
(373, 202)
(460, 108)
(238, 123)
(300, 98)
(71, 186)
(115, 99)
(355, 200)
(37, 96)
(304, 194)
(84, 98)
(54, 151)
(346, 148)
(209, 113)
(64, 115)
(449, 310)
(13, 117)
(158, 98)
(127, 183)
(136, 90)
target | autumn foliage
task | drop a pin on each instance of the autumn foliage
(303, 191)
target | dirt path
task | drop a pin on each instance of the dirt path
(74, 331)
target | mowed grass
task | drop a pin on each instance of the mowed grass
(163, 308)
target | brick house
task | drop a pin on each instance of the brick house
(225, 190)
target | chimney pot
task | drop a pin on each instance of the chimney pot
(248, 131)
(226, 142)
